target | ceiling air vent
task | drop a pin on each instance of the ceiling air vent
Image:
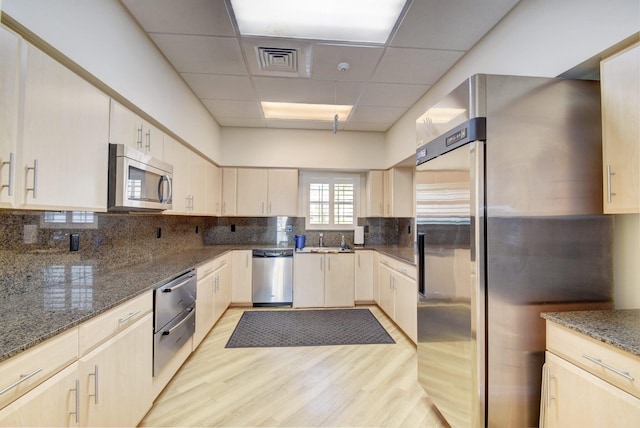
(278, 59)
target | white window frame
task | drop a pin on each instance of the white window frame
(331, 178)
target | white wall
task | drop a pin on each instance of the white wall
(344, 150)
(101, 37)
(537, 38)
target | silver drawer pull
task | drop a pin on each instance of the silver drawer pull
(77, 391)
(184, 320)
(23, 377)
(95, 389)
(599, 362)
(128, 317)
(11, 162)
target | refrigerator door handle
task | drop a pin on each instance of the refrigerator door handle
(421, 289)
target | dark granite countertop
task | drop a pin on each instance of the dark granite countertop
(402, 253)
(57, 296)
(619, 328)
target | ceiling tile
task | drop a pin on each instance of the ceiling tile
(241, 122)
(306, 91)
(220, 87)
(449, 25)
(391, 94)
(362, 61)
(419, 66)
(201, 54)
(230, 108)
(203, 17)
(377, 114)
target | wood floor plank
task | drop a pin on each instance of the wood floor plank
(328, 386)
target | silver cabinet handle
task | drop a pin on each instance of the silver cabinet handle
(224, 207)
(599, 362)
(139, 142)
(609, 174)
(148, 144)
(95, 376)
(77, 391)
(172, 329)
(11, 164)
(270, 208)
(23, 377)
(34, 189)
(247, 260)
(128, 317)
(262, 209)
(321, 263)
(381, 209)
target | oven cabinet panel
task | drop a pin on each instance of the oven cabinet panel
(115, 378)
(53, 403)
(65, 132)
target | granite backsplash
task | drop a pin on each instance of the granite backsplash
(35, 240)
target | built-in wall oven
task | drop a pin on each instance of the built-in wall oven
(174, 317)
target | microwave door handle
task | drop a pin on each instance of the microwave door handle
(161, 189)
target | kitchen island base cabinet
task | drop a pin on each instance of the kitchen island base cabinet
(398, 294)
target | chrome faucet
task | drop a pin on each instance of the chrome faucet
(320, 240)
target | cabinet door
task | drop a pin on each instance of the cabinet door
(53, 403)
(252, 192)
(620, 87)
(205, 311)
(283, 192)
(398, 185)
(229, 191)
(115, 378)
(386, 292)
(574, 398)
(9, 90)
(308, 281)
(126, 127)
(197, 183)
(178, 156)
(375, 194)
(339, 280)
(406, 312)
(223, 292)
(241, 277)
(64, 138)
(364, 278)
(213, 188)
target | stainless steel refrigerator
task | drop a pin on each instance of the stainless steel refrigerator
(509, 225)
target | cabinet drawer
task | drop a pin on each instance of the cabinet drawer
(613, 365)
(36, 365)
(100, 328)
(398, 266)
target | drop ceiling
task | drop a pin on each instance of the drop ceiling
(201, 40)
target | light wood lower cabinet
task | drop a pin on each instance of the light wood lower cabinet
(54, 403)
(115, 378)
(398, 294)
(213, 295)
(587, 383)
(365, 275)
(323, 280)
(241, 264)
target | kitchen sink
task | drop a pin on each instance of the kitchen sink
(324, 250)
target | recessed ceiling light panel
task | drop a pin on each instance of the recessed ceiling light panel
(299, 111)
(341, 20)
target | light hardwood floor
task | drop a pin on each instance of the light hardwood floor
(328, 386)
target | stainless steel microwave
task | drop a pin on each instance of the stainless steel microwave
(137, 181)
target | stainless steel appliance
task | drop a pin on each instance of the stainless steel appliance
(137, 181)
(508, 204)
(272, 277)
(174, 317)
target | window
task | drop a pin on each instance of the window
(330, 200)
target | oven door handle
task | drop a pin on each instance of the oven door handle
(184, 320)
(174, 287)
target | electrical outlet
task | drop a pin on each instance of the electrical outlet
(159, 232)
(197, 229)
(233, 227)
(74, 242)
(30, 235)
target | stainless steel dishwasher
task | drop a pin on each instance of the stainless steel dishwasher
(272, 277)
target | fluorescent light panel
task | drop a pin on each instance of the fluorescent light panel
(340, 20)
(298, 111)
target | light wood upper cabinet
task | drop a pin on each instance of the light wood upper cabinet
(213, 189)
(375, 194)
(126, 127)
(229, 191)
(9, 94)
(192, 187)
(63, 157)
(620, 89)
(266, 192)
(252, 192)
(282, 193)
